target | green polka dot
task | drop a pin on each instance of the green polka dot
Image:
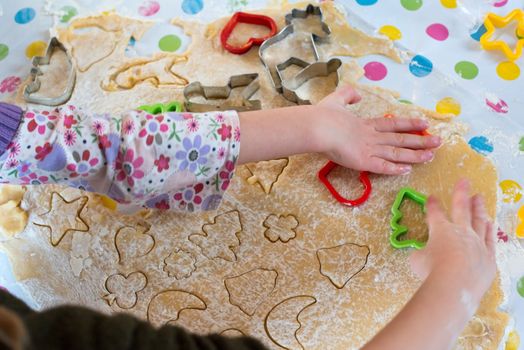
(4, 51)
(411, 5)
(466, 70)
(69, 12)
(169, 43)
(520, 286)
(407, 102)
(521, 144)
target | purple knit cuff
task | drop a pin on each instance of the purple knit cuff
(10, 117)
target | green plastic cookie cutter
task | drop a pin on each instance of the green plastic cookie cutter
(398, 229)
(159, 108)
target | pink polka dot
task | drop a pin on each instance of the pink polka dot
(149, 8)
(438, 31)
(375, 71)
(496, 104)
(500, 3)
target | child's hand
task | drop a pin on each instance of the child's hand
(378, 145)
(461, 250)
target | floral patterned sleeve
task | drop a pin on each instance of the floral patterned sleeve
(177, 161)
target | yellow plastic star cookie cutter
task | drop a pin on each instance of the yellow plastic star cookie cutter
(494, 21)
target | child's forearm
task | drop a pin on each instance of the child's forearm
(276, 133)
(172, 161)
(432, 319)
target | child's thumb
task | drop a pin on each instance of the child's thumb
(344, 95)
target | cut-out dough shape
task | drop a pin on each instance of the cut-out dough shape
(280, 228)
(220, 238)
(248, 290)
(158, 72)
(341, 263)
(11, 192)
(82, 44)
(13, 219)
(232, 333)
(266, 173)
(167, 306)
(282, 323)
(180, 264)
(133, 242)
(475, 328)
(67, 221)
(123, 290)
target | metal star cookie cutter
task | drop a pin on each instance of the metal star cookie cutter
(288, 30)
(160, 108)
(400, 230)
(34, 85)
(493, 21)
(248, 81)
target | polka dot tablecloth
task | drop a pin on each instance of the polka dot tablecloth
(445, 70)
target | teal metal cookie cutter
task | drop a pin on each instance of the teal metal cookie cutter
(159, 108)
(399, 230)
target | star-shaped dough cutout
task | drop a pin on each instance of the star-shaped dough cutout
(63, 217)
(494, 21)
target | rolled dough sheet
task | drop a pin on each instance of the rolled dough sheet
(280, 260)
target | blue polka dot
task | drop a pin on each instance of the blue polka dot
(481, 144)
(366, 2)
(479, 32)
(192, 7)
(420, 66)
(25, 15)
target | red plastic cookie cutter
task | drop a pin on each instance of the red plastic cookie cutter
(249, 18)
(363, 177)
(420, 133)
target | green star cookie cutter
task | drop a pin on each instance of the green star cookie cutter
(159, 108)
(399, 230)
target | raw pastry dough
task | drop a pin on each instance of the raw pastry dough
(188, 274)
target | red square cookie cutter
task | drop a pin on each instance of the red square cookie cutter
(249, 18)
(363, 177)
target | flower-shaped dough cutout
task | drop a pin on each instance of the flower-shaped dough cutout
(180, 264)
(280, 228)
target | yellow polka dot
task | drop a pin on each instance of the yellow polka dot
(450, 4)
(108, 202)
(392, 32)
(513, 341)
(448, 105)
(511, 190)
(36, 48)
(508, 70)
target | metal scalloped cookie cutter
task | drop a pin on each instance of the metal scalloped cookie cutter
(274, 71)
(249, 82)
(35, 84)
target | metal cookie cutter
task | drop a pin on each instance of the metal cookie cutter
(400, 230)
(159, 108)
(34, 85)
(314, 70)
(243, 17)
(363, 177)
(288, 30)
(248, 81)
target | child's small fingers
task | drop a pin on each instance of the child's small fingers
(435, 214)
(479, 216)
(408, 140)
(490, 238)
(379, 165)
(461, 204)
(399, 124)
(403, 155)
